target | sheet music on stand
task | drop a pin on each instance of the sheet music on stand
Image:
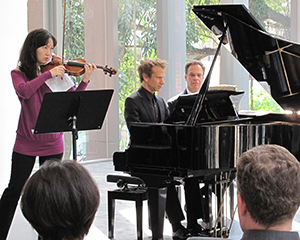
(72, 112)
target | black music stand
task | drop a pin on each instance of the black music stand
(73, 111)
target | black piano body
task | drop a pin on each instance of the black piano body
(189, 151)
(162, 152)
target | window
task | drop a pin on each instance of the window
(74, 48)
(201, 43)
(137, 40)
(275, 17)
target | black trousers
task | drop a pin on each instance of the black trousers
(173, 207)
(194, 202)
(21, 168)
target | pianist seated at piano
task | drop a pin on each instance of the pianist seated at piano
(145, 106)
(271, 174)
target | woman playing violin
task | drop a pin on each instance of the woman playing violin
(30, 86)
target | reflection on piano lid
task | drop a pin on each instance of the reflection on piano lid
(267, 58)
(218, 105)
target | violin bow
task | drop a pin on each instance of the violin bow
(64, 29)
(111, 71)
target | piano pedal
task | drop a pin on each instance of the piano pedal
(217, 233)
(133, 189)
(127, 183)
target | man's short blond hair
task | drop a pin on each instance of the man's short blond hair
(147, 64)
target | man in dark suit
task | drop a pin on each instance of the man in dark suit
(194, 76)
(145, 106)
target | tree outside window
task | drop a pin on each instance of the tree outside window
(275, 17)
(137, 40)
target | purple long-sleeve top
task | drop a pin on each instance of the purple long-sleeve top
(31, 94)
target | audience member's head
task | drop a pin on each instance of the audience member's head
(60, 200)
(268, 183)
(194, 75)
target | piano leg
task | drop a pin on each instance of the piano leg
(157, 205)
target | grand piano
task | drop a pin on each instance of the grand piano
(213, 135)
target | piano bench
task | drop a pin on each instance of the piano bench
(126, 192)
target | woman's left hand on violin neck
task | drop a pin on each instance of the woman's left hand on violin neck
(89, 69)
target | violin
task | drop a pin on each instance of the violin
(74, 67)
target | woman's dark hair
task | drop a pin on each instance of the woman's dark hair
(28, 59)
(60, 200)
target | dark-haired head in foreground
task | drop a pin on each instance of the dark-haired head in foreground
(60, 200)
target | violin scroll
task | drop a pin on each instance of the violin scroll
(109, 70)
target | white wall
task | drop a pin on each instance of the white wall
(13, 28)
(295, 21)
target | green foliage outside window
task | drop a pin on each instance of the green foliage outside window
(197, 34)
(137, 40)
(262, 101)
(74, 48)
(274, 16)
(74, 32)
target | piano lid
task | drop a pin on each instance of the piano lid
(267, 58)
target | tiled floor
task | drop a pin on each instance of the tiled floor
(125, 222)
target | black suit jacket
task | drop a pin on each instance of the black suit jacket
(173, 100)
(138, 109)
